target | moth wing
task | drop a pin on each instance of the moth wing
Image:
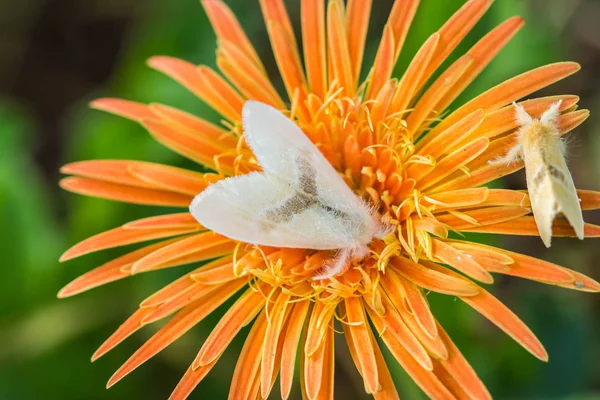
(554, 192)
(565, 193)
(237, 207)
(276, 141)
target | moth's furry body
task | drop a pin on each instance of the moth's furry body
(549, 182)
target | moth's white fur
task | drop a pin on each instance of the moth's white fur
(549, 182)
(298, 201)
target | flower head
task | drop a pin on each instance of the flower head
(422, 168)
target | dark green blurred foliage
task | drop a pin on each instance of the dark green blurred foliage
(45, 344)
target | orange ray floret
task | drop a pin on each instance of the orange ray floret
(124, 193)
(357, 17)
(290, 345)
(240, 314)
(313, 38)
(426, 379)
(483, 52)
(339, 53)
(248, 365)
(460, 370)
(176, 327)
(121, 237)
(108, 272)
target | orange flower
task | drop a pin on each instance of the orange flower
(425, 173)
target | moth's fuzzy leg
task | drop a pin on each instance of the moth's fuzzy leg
(514, 154)
(336, 266)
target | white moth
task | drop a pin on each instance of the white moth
(549, 182)
(298, 201)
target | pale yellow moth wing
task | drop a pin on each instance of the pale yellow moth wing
(550, 185)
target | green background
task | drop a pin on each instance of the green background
(57, 55)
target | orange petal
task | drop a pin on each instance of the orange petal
(453, 32)
(227, 27)
(432, 280)
(484, 255)
(380, 110)
(383, 65)
(569, 121)
(358, 328)
(182, 284)
(397, 327)
(400, 18)
(525, 226)
(206, 244)
(494, 310)
(124, 193)
(589, 199)
(214, 276)
(175, 328)
(247, 367)
(283, 41)
(448, 380)
(108, 272)
(434, 346)
(436, 146)
(182, 299)
(518, 264)
(314, 369)
(337, 44)
(420, 308)
(408, 85)
(506, 197)
(277, 315)
(426, 380)
(454, 199)
(321, 314)
(169, 221)
(387, 389)
(114, 171)
(430, 225)
(189, 146)
(235, 69)
(169, 178)
(479, 219)
(581, 283)
(125, 108)
(189, 381)
(313, 40)
(357, 17)
(327, 382)
(204, 83)
(121, 237)
(194, 125)
(461, 371)
(222, 96)
(400, 289)
(290, 346)
(511, 90)
(428, 103)
(456, 259)
(483, 52)
(251, 81)
(491, 308)
(453, 162)
(239, 315)
(127, 328)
